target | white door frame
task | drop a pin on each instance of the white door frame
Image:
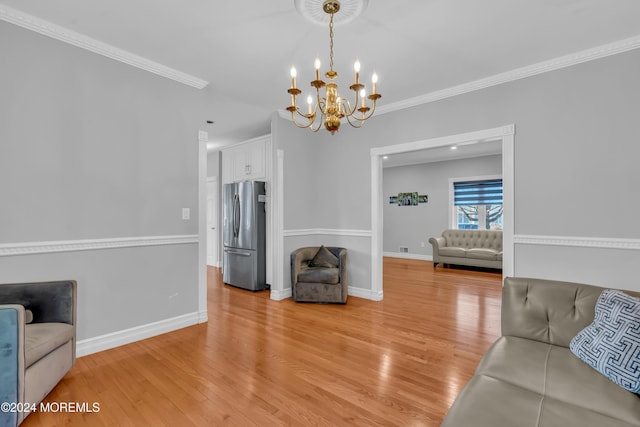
(504, 133)
(203, 139)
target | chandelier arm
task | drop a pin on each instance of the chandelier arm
(357, 126)
(364, 117)
(309, 117)
(349, 112)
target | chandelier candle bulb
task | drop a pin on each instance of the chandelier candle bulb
(294, 73)
(316, 64)
(363, 93)
(309, 101)
(374, 81)
(356, 68)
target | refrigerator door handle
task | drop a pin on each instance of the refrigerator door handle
(236, 215)
(240, 253)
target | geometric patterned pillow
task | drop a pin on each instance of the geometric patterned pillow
(611, 344)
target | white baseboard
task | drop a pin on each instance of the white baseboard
(279, 295)
(127, 336)
(365, 293)
(408, 256)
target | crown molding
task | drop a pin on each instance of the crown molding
(65, 35)
(582, 242)
(517, 74)
(33, 248)
(576, 58)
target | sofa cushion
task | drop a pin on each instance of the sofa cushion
(564, 381)
(453, 251)
(324, 258)
(611, 343)
(319, 275)
(42, 338)
(491, 402)
(479, 253)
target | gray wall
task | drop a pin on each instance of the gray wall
(575, 162)
(91, 148)
(410, 226)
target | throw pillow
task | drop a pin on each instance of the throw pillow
(611, 343)
(28, 316)
(324, 258)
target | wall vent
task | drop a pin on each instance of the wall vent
(404, 249)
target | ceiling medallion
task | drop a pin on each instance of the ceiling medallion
(331, 107)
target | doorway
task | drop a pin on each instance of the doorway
(504, 134)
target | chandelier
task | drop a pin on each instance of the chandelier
(331, 108)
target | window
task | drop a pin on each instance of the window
(477, 204)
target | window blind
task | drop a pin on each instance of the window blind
(486, 192)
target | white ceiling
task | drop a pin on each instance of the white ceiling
(244, 49)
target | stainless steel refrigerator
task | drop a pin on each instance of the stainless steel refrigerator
(244, 259)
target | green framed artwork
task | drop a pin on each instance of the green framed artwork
(408, 199)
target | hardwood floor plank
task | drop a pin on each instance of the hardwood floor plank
(401, 361)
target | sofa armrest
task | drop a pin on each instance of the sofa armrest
(49, 301)
(437, 243)
(297, 258)
(342, 266)
(12, 338)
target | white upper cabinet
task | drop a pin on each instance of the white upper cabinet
(245, 161)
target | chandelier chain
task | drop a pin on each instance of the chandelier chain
(331, 42)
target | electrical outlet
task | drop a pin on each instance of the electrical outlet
(186, 213)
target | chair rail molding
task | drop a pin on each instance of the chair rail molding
(33, 248)
(57, 32)
(327, 231)
(582, 242)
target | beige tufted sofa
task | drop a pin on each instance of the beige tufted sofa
(477, 248)
(529, 377)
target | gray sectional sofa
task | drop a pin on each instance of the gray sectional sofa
(477, 248)
(530, 377)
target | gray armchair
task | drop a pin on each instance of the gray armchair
(37, 342)
(324, 281)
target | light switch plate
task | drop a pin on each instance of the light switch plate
(186, 213)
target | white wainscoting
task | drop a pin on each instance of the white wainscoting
(32, 248)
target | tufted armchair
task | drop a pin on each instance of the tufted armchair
(319, 274)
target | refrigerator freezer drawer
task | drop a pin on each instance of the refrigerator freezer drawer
(240, 268)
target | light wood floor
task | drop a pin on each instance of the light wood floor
(259, 362)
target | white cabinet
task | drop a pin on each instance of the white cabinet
(245, 161)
